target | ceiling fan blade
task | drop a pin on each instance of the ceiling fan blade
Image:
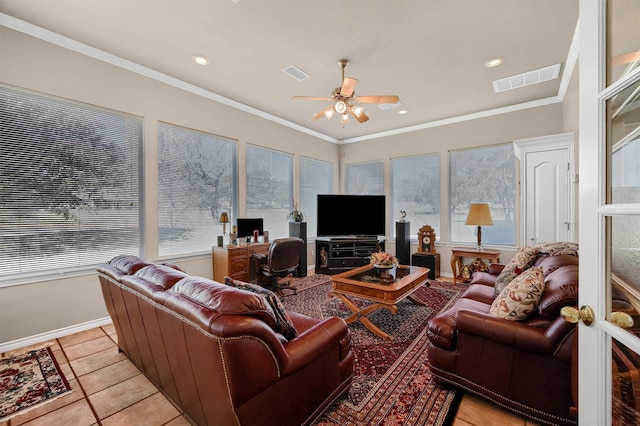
(322, 113)
(362, 117)
(348, 86)
(311, 98)
(377, 99)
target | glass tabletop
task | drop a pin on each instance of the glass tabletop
(383, 276)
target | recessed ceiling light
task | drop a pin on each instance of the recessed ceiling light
(494, 62)
(402, 111)
(200, 60)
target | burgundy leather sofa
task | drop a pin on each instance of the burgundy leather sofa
(525, 366)
(212, 348)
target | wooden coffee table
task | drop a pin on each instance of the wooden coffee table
(361, 283)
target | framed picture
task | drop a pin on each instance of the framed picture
(426, 240)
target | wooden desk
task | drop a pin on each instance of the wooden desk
(233, 260)
(458, 253)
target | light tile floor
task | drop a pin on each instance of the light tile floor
(109, 390)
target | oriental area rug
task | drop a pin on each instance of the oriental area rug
(29, 380)
(392, 384)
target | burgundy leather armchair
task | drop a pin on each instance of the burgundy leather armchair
(213, 350)
(526, 365)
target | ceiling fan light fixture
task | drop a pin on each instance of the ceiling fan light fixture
(329, 113)
(345, 118)
(341, 107)
(357, 110)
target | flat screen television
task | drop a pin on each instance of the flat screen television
(247, 225)
(351, 215)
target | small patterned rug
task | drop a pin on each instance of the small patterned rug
(392, 384)
(29, 380)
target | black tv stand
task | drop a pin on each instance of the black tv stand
(340, 254)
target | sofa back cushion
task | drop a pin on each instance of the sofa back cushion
(561, 289)
(551, 263)
(128, 264)
(284, 325)
(223, 299)
(161, 275)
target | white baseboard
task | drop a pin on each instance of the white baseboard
(54, 334)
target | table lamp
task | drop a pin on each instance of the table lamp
(224, 219)
(479, 214)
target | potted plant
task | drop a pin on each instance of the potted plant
(295, 215)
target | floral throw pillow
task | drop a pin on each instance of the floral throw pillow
(519, 263)
(284, 325)
(554, 249)
(520, 297)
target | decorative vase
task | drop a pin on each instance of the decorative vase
(380, 269)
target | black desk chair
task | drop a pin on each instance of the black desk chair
(283, 260)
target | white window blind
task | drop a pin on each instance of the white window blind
(69, 177)
(483, 175)
(365, 178)
(415, 188)
(316, 177)
(270, 188)
(197, 181)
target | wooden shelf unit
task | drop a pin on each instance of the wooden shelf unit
(339, 254)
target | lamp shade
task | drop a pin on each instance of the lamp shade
(479, 214)
(224, 217)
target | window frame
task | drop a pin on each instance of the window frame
(200, 141)
(87, 192)
(415, 224)
(277, 227)
(310, 207)
(474, 156)
(377, 187)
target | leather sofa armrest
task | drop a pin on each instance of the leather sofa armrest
(547, 341)
(310, 344)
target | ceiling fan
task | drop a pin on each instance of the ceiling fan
(344, 96)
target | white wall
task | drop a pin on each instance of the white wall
(42, 307)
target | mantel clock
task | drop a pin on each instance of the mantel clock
(426, 240)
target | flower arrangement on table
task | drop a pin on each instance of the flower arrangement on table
(384, 260)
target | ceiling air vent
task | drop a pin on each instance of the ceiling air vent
(526, 79)
(295, 72)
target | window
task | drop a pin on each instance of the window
(365, 178)
(483, 175)
(196, 183)
(270, 188)
(70, 184)
(316, 177)
(415, 188)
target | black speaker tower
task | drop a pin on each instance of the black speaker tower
(403, 242)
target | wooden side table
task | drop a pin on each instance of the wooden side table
(458, 253)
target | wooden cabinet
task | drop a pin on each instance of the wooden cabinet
(336, 255)
(458, 253)
(234, 261)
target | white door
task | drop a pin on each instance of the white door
(609, 146)
(546, 178)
